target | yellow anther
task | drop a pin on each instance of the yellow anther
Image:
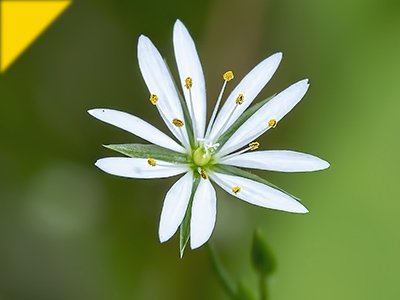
(188, 83)
(240, 99)
(272, 123)
(203, 174)
(177, 122)
(153, 99)
(228, 76)
(151, 162)
(236, 190)
(254, 146)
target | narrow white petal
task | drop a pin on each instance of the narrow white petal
(257, 124)
(204, 211)
(189, 65)
(249, 87)
(160, 83)
(136, 126)
(257, 193)
(278, 160)
(139, 167)
(174, 208)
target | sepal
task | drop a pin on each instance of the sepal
(185, 226)
(150, 151)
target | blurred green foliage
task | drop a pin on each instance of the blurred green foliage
(69, 231)
(262, 257)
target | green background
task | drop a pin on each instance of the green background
(70, 231)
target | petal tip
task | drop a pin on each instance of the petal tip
(164, 232)
(301, 85)
(275, 59)
(278, 55)
(143, 41)
(180, 30)
(272, 61)
(299, 208)
(98, 163)
(162, 237)
(94, 112)
(304, 210)
(325, 164)
(195, 245)
(196, 242)
(321, 164)
(98, 112)
(178, 23)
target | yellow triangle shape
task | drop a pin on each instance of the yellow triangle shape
(22, 22)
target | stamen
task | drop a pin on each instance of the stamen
(240, 99)
(236, 190)
(173, 129)
(151, 162)
(188, 83)
(207, 144)
(254, 146)
(153, 99)
(272, 123)
(228, 76)
(203, 174)
(177, 122)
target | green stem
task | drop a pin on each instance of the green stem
(222, 275)
(263, 288)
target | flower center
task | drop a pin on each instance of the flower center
(201, 157)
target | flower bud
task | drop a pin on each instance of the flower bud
(261, 255)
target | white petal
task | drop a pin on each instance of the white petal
(249, 87)
(257, 193)
(204, 211)
(139, 167)
(189, 65)
(160, 83)
(174, 208)
(257, 124)
(136, 126)
(278, 160)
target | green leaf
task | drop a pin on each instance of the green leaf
(243, 118)
(261, 255)
(150, 151)
(186, 115)
(185, 225)
(231, 170)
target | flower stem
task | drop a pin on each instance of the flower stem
(222, 275)
(263, 288)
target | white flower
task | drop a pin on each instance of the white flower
(206, 154)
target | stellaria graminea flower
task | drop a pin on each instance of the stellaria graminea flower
(206, 154)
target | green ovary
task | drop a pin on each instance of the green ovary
(200, 157)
